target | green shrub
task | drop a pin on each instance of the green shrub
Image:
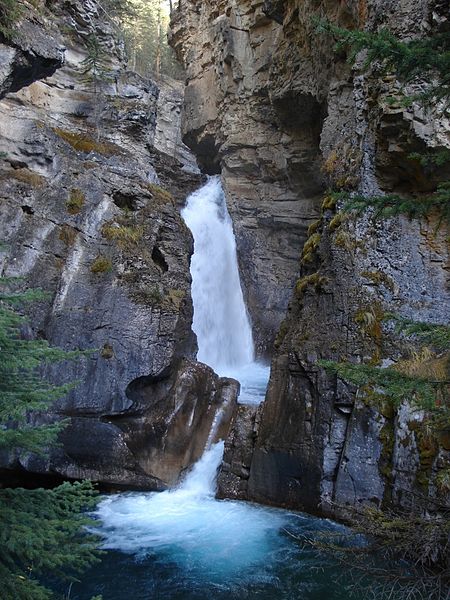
(101, 264)
(75, 201)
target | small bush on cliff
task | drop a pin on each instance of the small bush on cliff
(10, 12)
(41, 531)
(101, 264)
(421, 376)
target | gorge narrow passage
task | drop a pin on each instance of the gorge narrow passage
(183, 543)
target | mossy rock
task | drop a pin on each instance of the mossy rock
(335, 222)
(125, 236)
(314, 227)
(68, 234)
(329, 203)
(75, 201)
(310, 247)
(160, 195)
(379, 278)
(101, 264)
(282, 332)
(315, 280)
(84, 143)
(26, 176)
(107, 351)
(370, 319)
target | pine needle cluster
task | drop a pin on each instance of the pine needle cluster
(393, 205)
(421, 59)
(42, 532)
(399, 382)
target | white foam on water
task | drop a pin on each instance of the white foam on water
(188, 526)
(221, 321)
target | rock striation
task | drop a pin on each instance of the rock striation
(92, 170)
(283, 116)
(267, 152)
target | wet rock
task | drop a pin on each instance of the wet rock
(170, 419)
(232, 481)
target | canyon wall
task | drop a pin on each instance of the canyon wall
(92, 172)
(266, 151)
(271, 105)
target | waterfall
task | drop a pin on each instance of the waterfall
(188, 527)
(220, 320)
(190, 544)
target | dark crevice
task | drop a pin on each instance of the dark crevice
(159, 260)
(124, 201)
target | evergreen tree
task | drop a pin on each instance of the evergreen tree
(413, 61)
(42, 531)
(145, 25)
(424, 59)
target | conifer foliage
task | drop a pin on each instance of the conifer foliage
(41, 531)
(415, 61)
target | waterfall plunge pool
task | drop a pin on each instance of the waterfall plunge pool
(183, 544)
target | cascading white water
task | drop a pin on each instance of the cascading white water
(220, 318)
(183, 543)
(220, 321)
(191, 526)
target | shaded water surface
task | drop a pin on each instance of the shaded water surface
(185, 544)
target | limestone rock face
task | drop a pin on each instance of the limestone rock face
(285, 116)
(92, 172)
(267, 152)
(149, 445)
(232, 481)
(34, 50)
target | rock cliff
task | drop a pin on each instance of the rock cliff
(283, 116)
(267, 153)
(92, 168)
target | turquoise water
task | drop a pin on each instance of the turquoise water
(283, 570)
(185, 544)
